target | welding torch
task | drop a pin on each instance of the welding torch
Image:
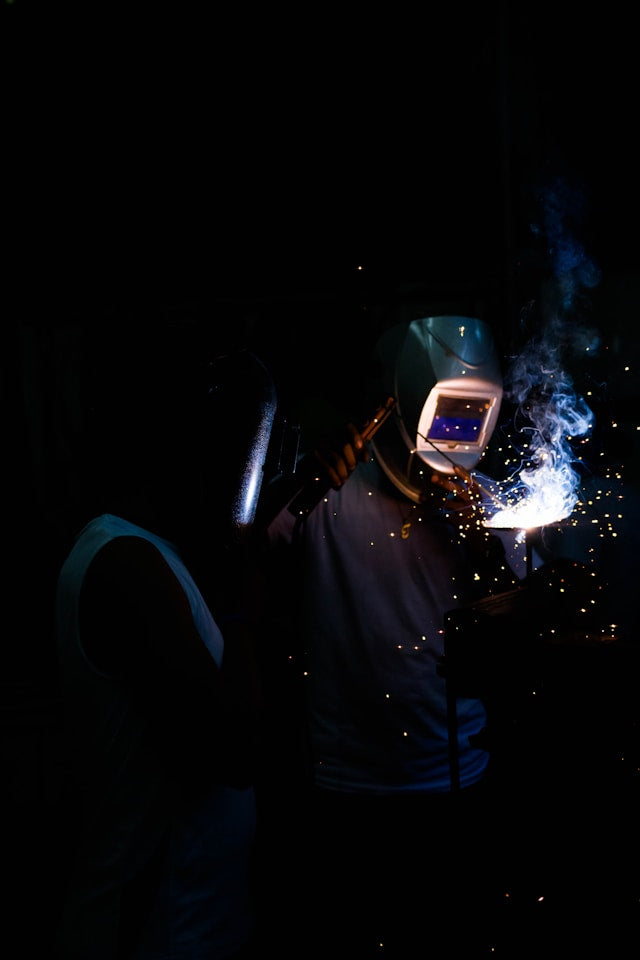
(470, 479)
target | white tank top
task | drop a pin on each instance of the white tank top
(132, 811)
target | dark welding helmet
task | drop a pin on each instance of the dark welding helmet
(183, 420)
(445, 376)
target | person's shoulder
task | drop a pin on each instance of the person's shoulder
(131, 603)
(131, 564)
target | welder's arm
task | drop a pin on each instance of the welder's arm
(463, 502)
(462, 493)
(334, 460)
(328, 465)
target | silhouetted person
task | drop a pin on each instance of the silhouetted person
(161, 696)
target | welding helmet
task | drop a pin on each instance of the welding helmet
(445, 376)
(186, 423)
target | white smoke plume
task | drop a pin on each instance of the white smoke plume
(550, 416)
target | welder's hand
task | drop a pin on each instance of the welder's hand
(462, 495)
(339, 456)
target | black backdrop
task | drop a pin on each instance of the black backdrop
(234, 170)
(179, 154)
(290, 181)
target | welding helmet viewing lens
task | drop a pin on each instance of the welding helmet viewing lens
(445, 376)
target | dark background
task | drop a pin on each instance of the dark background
(287, 180)
(292, 182)
(180, 154)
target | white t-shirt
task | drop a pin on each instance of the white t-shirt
(372, 610)
(131, 810)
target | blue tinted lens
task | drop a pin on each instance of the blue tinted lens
(458, 419)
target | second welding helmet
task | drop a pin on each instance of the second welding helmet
(185, 424)
(445, 376)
